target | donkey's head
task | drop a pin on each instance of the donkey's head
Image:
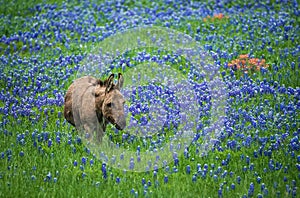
(112, 102)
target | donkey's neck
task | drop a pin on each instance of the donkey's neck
(102, 121)
(99, 102)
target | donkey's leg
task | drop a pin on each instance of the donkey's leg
(88, 132)
(88, 116)
(92, 132)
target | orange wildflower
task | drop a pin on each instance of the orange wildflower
(214, 17)
(243, 62)
(243, 56)
(218, 16)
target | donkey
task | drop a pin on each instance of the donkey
(90, 104)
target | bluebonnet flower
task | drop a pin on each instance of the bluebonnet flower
(246, 24)
(49, 143)
(21, 153)
(131, 164)
(175, 169)
(251, 190)
(176, 161)
(212, 166)
(266, 191)
(247, 159)
(194, 178)
(91, 162)
(168, 168)
(132, 191)
(258, 179)
(259, 195)
(224, 174)
(215, 178)
(238, 179)
(81, 167)
(33, 177)
(104, 172)
(83, 175)
(188, 169)
(220, 192)
(83, 160)
(294, 183)
(48, 177)
(232, 186)
(69, 141)
(288, 189)
(251, 168)
(166, 179)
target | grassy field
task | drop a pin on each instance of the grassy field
(254, 48)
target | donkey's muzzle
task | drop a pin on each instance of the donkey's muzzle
(121, 123)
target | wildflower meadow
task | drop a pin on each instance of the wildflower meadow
(211, 88)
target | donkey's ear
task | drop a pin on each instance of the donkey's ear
(109, 83)
(100, 82)
(120, 82)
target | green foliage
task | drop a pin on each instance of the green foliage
(26, 175)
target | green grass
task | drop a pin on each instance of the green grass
(24, 176)
(58, 160)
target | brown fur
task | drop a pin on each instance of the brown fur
(90, 104)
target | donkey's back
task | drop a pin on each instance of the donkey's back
(75, 96)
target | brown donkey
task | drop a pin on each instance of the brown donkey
(90, 104)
